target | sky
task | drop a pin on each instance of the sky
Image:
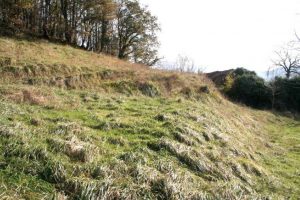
(224, 34)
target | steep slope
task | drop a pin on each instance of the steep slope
(78, 125)
(65, 67)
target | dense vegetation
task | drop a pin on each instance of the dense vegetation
(121, 28)
(286, 93)
(79, 125)
(244, 86)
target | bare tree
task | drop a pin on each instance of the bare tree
(287, 62)
(185, 64)
(182, 64)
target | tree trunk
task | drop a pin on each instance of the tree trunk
(288, 74)
(64, 10)
(104, 38)
(46, 16)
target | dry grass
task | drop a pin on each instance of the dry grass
(74, 148)
(30, 95)
(41, 62)
(163, 135)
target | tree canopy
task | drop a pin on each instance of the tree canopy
(122, 28)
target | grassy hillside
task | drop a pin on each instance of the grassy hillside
(66, 67)
(78, 125)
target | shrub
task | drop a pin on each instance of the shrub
(286, 94)
(241, 71)
(246, 87)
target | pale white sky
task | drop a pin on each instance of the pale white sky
(223, 34)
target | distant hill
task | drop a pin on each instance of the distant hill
(80, 125)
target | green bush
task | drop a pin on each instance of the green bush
(246, 87)
(286, 94)
(249, 89)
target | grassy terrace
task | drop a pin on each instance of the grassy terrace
(118, 131)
